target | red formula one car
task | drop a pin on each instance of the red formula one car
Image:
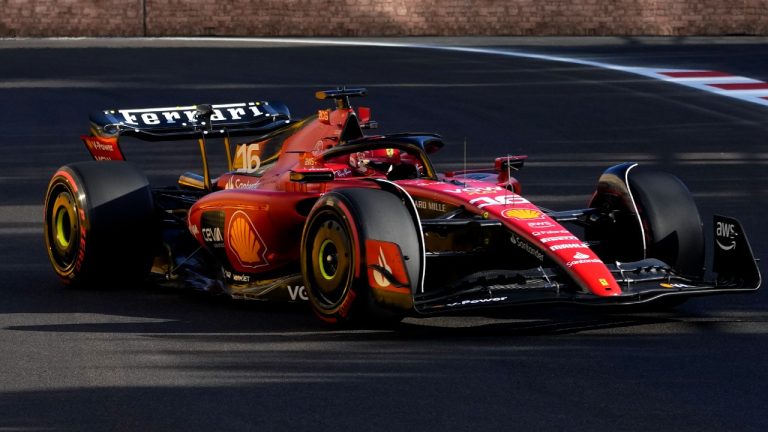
(363, 227)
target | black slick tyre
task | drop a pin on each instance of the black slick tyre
(334, 256)
(673, 229)
(653, 216)
(99, 224)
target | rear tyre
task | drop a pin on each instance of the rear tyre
(99, 224)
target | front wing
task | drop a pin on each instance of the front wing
(641, 282)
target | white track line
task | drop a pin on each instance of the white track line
(715, 82)
(720, 83)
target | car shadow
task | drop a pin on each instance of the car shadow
(151, 310)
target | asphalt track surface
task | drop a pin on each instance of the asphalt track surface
(151, 359)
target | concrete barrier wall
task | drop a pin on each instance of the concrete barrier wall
(44, 18)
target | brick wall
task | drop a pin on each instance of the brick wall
(30, 18)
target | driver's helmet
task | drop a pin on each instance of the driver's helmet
(380, 160)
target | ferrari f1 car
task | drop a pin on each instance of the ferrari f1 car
(362, 226)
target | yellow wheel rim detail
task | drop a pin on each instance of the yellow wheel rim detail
(63, 230)
(321, 257)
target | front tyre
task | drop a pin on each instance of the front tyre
(654, 216)
(99, 224)
(361, 257)
(329, 266)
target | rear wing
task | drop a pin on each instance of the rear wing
(188, 122)
(175, 123)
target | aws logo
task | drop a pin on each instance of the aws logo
(726, 236)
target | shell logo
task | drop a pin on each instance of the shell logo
(385, 257)
(524, 214)
(245, 242)
(377, 276)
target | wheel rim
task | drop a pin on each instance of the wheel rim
(331, 264)
(62, 230)
(328, 260)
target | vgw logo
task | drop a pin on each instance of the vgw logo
(726, 236)
(297, 292)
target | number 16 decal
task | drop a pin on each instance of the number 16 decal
(250, 157)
